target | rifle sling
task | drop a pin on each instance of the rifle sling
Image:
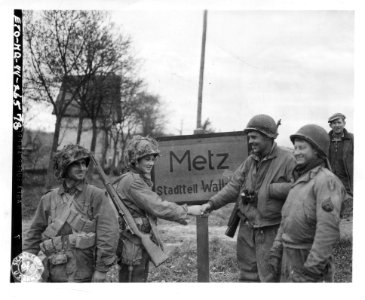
(152, 223)
(154, 230)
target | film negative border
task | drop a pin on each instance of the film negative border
(16, 219)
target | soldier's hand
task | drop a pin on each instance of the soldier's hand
(194, 210)
(206, 208)
(99, 276)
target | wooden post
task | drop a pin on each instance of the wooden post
(202, 221)
(202, 248)
(201, 75)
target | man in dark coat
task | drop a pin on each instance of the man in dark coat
(341, 151)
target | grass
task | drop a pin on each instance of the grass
(30, 199)
(343, 261)
(181, 243)
(182, 264)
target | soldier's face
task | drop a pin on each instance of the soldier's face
(338, 125)
(145, 164)
(77, 170)
(259, 143)
(303, 152)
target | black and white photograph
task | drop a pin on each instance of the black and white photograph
(170, 142)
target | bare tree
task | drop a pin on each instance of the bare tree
(207, 126)
(149, 114)
(72, 57)
(54, 43)
(119, 129)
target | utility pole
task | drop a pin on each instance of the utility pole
(201, 75)
(202, 221)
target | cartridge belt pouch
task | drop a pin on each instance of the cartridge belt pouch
(51, 246)
(79, 223)
(58, 258)
(85, 240)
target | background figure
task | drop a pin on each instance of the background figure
(302, 251)
(75, 226)
(341, 154)
(260, 186)
(135, 188)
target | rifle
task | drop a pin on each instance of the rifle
(154, 251)
(233, 221)
(246, 197)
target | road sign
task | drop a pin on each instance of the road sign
(192, 168)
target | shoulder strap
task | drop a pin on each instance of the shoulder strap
(53, 229)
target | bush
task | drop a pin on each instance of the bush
(343, 261)
(30, 200)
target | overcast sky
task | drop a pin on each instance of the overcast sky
(293, 65)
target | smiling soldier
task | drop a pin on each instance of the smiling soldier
(75, 225)
(302, 251)
(135, 189)
(260, 185)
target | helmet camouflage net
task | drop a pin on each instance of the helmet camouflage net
(139, 147)
(314, 135)
(68, 155)
(263, 124)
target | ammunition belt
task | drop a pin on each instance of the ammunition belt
(76, 240)
(72, 217)
(142, 223)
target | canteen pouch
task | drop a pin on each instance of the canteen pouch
(131, 252)
(85, 240)
(58, 258)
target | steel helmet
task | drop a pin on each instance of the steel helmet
(139, 147)
(69, 154)
(314, 135)
(263, 124)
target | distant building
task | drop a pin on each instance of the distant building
(36, 145)
(102, 101)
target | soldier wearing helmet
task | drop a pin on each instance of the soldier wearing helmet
(135, 188)
(260, 186)
(302, 250)
(75, 226)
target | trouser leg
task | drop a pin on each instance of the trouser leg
(264, 239)
(139, 272)
(294, 260)
(246, 255)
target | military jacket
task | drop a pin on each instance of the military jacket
(311, 217)
(269, 178)
(135, 188)
(88, 211)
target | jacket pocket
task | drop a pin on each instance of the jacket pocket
(309, 209)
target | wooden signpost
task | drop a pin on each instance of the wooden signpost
(191, 169)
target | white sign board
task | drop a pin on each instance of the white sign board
(192, 168)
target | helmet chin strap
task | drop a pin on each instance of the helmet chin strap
(70, 183)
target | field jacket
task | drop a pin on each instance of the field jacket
(135, 188)
(89, 213)
(311, 217)
(269, 178)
